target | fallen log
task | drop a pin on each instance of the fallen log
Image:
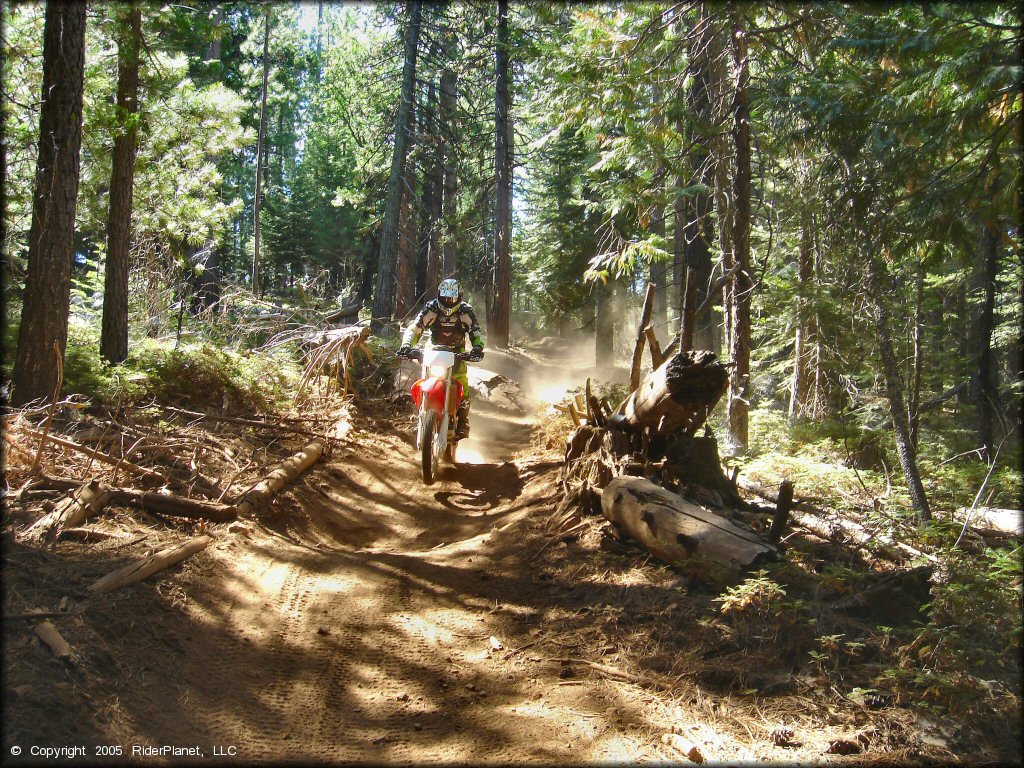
(51, 638)
(678, 395)
(151, 501)
(165, 504)
(258, 496)
(349, 310)
(83, 502)
(680, 532)
(982, 519)
(146, 567)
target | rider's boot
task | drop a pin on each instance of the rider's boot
(462, 420)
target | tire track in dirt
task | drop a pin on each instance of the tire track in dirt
(357, 629)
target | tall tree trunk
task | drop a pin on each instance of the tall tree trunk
(436, 182)
(44, 313)
(384, 296)
(894, 391)
(260, 146)
(721, 92)
(369, 268)
(3, 162)
(679, 207)
(914, 401)
(699, 230)
(799, 397)
(449, 206)
(657, 269)
(498, 329)
(406, 272)
(114, 329)
(739, 390)
(656, 274)
(319, 39)
(987, 393)
(428, 143)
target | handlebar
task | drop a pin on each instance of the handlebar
(417, 355)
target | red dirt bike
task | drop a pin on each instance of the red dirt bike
(437, 396)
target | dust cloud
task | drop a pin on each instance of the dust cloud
(511, 388)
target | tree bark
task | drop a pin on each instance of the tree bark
(799, 398)
(436, 182)
(114, 330)
(207, 288)
(914, 404)
(742, 286)
(146, 567)
(699, 230)
(894, 390)
(76, 508)
(720, 91)
(657, 273)
(678, 249)
(449, 206)
(427, 224)
(260, 144)
(384, 296)
(405, 273)
(680, 532)
(986, 368)
(498, 331)
(686, 328)
(44, 314)
(641, 337)
(678, 395)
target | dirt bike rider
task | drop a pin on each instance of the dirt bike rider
(449, 320)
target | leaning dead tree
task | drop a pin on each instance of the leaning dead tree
(645, 468)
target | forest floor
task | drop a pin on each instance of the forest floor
(366, 617)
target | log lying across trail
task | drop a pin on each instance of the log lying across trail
(680, 532)
(93, 496)
(280, 477)
(678, 395)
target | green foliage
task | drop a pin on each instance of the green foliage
(761, 616)
(966, 659)
(194, 376)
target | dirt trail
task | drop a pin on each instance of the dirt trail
(357, 626)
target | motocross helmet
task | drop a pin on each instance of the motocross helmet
(449, 295)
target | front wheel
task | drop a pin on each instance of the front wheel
(428, 447)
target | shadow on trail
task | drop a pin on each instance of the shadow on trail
(484, 486)
(370, 665)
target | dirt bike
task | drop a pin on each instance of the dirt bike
(437, 396)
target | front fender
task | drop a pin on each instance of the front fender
(431, 392)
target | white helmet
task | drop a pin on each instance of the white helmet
(449, 295)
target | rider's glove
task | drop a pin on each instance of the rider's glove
(477, 354)
(404, 351)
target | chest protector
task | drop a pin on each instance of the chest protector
(450, 330)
